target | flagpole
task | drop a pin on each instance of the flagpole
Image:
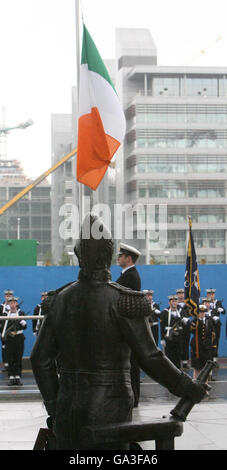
(197, 317)
(77, 22)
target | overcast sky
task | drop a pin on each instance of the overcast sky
(38, 55)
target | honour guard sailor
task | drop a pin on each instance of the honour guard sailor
(155, 314)
(216, 309)
(184, 312)
(4, 309)
(203, 342)
(36, 324)
(14, 341)
(171, 331)
(127, 257)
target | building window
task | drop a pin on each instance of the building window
(176, 239)
(209, 238)
(166, 86)
(142, 192)
(201, 86)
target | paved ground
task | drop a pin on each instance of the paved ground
(22, 413)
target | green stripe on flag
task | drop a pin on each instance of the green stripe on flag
(90, 56)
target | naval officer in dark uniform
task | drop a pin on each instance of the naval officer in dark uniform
(127, 257)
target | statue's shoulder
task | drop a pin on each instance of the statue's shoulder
(125, 290)
(52, 295)
(131, 303)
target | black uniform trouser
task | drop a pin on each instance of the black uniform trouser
(217, 329)
(4, 358)
(185, 341)
(14, 351)
(173, 352)
(154, 330)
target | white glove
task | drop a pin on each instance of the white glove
(185, 320)
(215, 318)
(220, 310)
(157, 311)
(23, 322)
(163, 343)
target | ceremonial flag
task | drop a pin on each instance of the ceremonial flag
(191, 281)
(101, 124)
(192, 284)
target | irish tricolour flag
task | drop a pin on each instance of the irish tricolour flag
(101, 125)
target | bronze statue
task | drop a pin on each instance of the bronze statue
(89, 330)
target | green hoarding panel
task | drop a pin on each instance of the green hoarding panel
(18, 252)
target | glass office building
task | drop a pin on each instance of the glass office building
(175, 152)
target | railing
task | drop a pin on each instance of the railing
(22, 317)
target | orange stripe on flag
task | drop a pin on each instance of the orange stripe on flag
(95, 149)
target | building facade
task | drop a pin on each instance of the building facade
(61, 188)
(30, 217)
(174, 160)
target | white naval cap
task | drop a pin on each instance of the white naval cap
(172, 297)
(202, 308)
(127, 249)
(13, 299)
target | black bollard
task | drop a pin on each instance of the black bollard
(184, 406)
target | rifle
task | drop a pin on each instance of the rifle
(7, 330)
(153, 318)
(174, 330)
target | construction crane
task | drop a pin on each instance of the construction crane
(36, 182)
(21, 125)
(4, 130)
(205, 50)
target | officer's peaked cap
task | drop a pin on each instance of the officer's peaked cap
(128, 250)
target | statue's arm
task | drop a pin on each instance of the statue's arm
(134, 325)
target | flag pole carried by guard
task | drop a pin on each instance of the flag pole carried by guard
(191, 282)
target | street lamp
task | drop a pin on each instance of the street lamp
(166, 253)
(71, 253)
(4, 131)
(18, 228)
(21, 125)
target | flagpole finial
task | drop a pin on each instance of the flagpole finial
(190, 221)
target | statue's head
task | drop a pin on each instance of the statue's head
(94, 249)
